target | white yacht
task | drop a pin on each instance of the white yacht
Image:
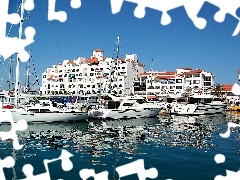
(124, 109)
(44, 111)
(199, 105)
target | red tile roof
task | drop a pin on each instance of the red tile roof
(166, 73)
(98, 50)
(227, 87)
(70, 62)
(151, 97)
(193, 72)
(50, 77)
(91, 60)
(165, 77)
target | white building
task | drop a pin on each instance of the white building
(92, 75)
(183, 80)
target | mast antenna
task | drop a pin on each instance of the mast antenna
(17, 59)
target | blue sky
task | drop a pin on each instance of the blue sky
(179, 44)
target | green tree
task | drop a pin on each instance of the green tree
(218, 88)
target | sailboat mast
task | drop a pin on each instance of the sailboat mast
(117, 51)
(28, 74)
(151, 72)
(17, 59)
(10, 72)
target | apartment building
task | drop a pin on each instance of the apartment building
(92, 75)
(176, 83)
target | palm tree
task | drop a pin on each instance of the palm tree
(218, 88)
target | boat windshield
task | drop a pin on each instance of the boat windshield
(128, 104)
(113, 104)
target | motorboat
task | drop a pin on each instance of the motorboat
(124, 109)
(43, 111)
(199, 105)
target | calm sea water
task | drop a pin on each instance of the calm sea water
(178, 147)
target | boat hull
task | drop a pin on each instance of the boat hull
(44, 117)
(200, 109)
(115, 114)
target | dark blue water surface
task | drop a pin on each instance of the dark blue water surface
(178, 147)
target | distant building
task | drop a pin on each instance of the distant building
(183, 80)
(93, 75)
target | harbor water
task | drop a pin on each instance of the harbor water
(179, 147)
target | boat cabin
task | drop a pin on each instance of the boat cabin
(44, 106)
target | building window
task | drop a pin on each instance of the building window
(207, 78)
(188, 75)
(164, 81)
(196, 82)
(178, 80)
(44, 76)
(178, 87)
(196, 75)
(171, 81)
(207, 83)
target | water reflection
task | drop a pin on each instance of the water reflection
(100, 139)
(189, 131)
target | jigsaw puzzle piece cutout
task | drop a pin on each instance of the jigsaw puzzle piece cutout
(228, 132)
(20, 125)
(7, 162)
(192, 8)
(10, 46)
(225, 7)
(6, 18)
(137, 167)
(208, 11)
(237, 30)
(238, 12)
(75, 4)
(66, 164)
(29, 5)
(230, 175)
(116, 6)
(55, 15)
(87, 173)
(60, 15)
